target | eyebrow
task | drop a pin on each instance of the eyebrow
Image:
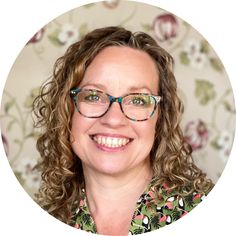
(104, 88)
(134, 88)
(97, 86)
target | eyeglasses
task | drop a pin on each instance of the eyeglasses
(93, 103)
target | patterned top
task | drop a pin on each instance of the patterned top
(150, 214)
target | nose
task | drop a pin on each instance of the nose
(114, 116)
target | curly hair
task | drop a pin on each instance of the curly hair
(62, 173)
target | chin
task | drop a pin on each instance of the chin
(111, 168)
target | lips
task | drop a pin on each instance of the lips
(111, 141)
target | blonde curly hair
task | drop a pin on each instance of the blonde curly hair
(62, 173)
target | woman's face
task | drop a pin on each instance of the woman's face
(116, 71)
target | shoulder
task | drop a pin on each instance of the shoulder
(173, 205)
(157, 209)
(184, 200)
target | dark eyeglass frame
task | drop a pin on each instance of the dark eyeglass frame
(112, 99)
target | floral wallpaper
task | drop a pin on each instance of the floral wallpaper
(209, 118)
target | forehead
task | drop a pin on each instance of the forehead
(119, 67)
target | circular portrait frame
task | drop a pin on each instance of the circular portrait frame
(203, 89)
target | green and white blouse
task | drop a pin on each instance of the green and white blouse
(149, 213)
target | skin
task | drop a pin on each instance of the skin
(115, 175)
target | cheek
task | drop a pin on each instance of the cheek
(79, 126)
(78, 136)
(147, 131)
(151, 132)
(75, 126)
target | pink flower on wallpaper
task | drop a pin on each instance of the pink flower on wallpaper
(196, 134)
(37, 37)
(5, 144)
(193, 51)
(68, 35)
(165, 27)
(27, 172)
(111, 3)
(224, 143)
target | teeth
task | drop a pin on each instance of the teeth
(111, 142)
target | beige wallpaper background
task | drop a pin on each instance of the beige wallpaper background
(209, 119)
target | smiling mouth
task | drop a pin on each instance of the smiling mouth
(111, 142)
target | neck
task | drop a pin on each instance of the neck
(105, 191)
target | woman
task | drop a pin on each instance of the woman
(114, 160)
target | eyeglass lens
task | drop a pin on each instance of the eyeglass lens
(93, 103)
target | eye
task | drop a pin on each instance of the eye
(92, 98)
(141, 100)
(138, 101)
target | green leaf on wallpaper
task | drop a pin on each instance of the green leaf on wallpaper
(31, 97)
(228, 107)
(185, 23)
(8, 105)
(216, 64)
(53, 38)
(146, 27)
(184, 58)
(83, 29)
(89, 5)
(215, 144)
(204, 46)
(204, 91)
(33, 135)
(18, 141)
(19, 177)
(10, 124)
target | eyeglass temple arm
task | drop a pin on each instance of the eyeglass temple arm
(158, 98)
(75, 91)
